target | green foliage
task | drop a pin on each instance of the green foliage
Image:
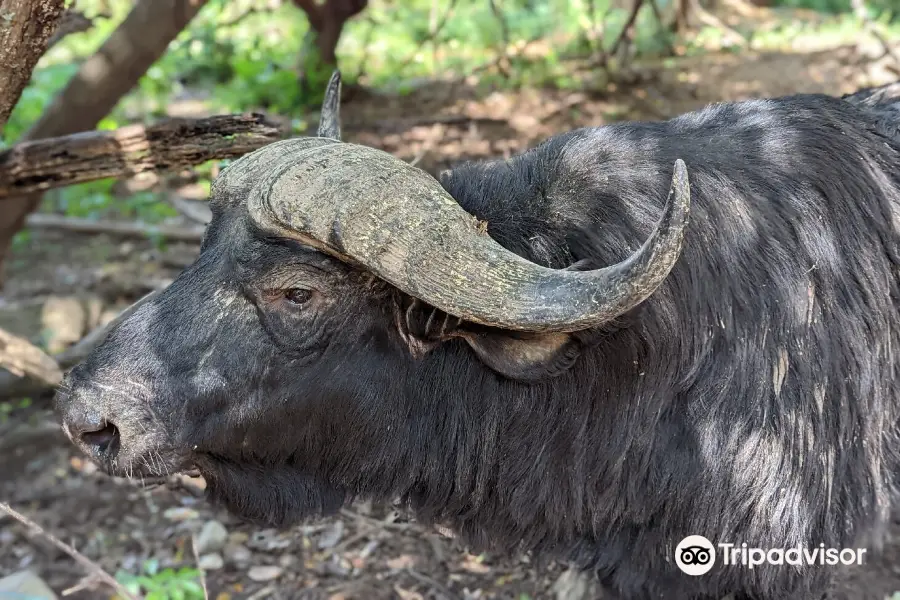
(240, 55)
(165, 584)
(875, 7)
(95, 200)
(21, 240)
(45, 83)
(237, 55)
(7, 407)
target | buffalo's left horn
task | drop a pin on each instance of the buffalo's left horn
(367, 207)
(330, 119)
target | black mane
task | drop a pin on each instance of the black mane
(770, 346)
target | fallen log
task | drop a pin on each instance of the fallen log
(169, 145)
(125, 229)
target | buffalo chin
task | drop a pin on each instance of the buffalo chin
(271, 495)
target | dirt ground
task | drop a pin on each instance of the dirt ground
(368, 553)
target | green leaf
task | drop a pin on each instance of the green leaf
(193, 587)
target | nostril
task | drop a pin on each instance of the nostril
(102, 439)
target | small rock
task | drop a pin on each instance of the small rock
(268, 540)
(475, 564)
(25, 584)
(261, 573)
(237, 554)
(336, 566)
(6, 536)
(368, 549)
(180, 513)
(211, 562)
(577, 585)
(331, 536)
(212, 537)
(85, 467)
(238, 537)
(64, 320)
(131, 562)
(404, 561)
(287, 560)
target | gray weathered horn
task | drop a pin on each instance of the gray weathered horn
(367, 207)
(330, 119)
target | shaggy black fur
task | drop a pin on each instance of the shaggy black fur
(753, 398)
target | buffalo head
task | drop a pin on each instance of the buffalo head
(295, 362)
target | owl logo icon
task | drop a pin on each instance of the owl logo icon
(695, 555)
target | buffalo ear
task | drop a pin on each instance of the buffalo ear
(524, 356)
(517, 355)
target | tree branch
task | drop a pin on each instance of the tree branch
(237, 20)
(91, 567)
(432, 35)
(20, 357)
(626, 30)
(504, 36)
(12, 386)
(862, 13)
(169, 145)
(25, 30)
(71, 22)
(711, 20)
(313, 12)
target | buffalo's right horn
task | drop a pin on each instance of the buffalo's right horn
(369, 208)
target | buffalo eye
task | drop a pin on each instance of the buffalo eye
(298, 296)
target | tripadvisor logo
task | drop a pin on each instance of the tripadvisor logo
(696, 555)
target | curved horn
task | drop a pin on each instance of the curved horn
(368, 207)
(330, 119)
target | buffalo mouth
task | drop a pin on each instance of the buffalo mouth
(146, 467)
(155, 469)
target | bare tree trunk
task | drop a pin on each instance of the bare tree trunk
(25, 30)
(100, 83)
(682, 16)
(326, 23)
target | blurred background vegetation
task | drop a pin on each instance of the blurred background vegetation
(247, 55)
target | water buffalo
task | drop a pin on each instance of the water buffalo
(622, 337)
